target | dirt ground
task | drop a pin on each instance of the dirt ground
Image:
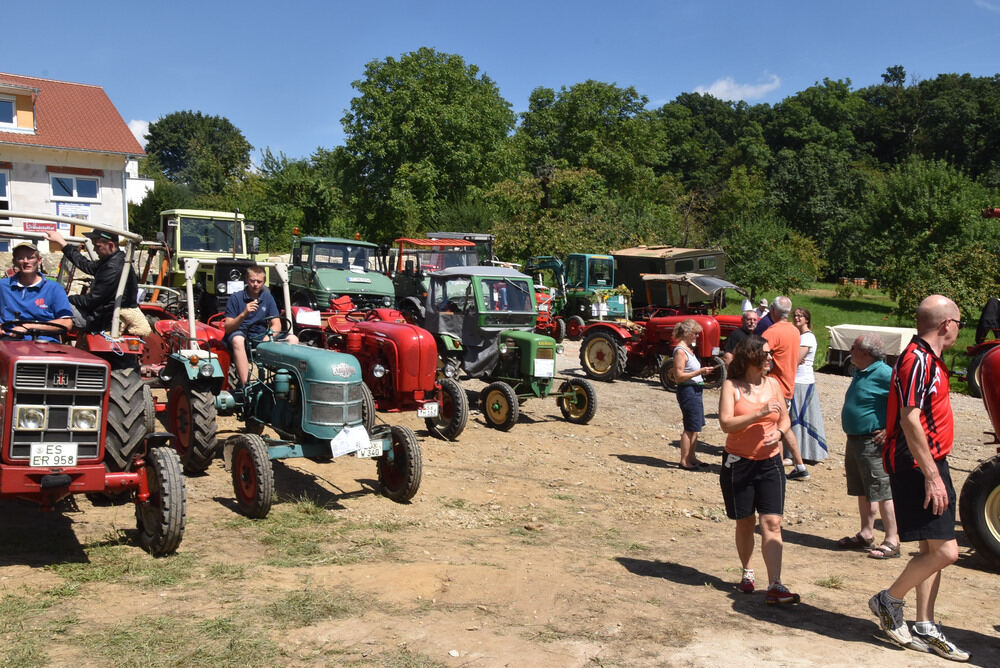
(549, 545)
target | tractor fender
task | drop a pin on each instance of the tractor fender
(414, 303)
(613, 328)
(188, 363)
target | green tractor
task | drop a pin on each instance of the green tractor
(482, 318)
(323, 268)
(584, 290)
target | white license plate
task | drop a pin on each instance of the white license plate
(428, 410)
(545, 368)
(53, 454)
(350, 439)
(373, 449)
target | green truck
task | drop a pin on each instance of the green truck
(322, 268)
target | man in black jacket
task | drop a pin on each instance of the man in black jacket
(92, 311)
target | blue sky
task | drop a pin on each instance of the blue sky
(282, 72)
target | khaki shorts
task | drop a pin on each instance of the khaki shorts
(866, 475)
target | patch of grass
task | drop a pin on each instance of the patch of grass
(227, 571)
(453, 503)
(25, 650)
(636, 547)
(311, 605)
(831, 582)
(564, 497)
(113, 563)
(400, 658)
(171, 641)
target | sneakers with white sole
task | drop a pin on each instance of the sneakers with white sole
(935, 642)
(890, 617)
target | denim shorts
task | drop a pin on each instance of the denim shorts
(692, 408)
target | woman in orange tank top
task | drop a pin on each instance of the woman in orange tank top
(753, 415)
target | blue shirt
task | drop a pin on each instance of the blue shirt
(255, 325)
(866, 399)
(763, 324)
(45, 300)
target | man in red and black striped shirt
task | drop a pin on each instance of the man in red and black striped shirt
(919, 433)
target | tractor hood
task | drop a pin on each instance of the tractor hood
(351, 282)
(311, 364)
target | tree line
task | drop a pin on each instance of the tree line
(885, 182)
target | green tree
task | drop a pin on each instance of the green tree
(424, 130)
(206, 153)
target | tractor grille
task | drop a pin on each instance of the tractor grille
(546, 353)
(334, 403)
(58, 387)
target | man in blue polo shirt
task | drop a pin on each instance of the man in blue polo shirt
(27, 296)
(251, 315)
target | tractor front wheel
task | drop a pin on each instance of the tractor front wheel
(191, 416)
(560, 332)
(367, 408)
(602, 356)
(574, 327)
(970, 376)
(717, 376)
(453, 413)
(400, 469)
(498, 402)
(160, 519)
(253, 478)
(667, 379)
(578, 401)
(979, 509)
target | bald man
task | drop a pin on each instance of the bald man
(919, 433)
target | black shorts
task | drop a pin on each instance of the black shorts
(913, 520)
(752, 485)
(692, 408)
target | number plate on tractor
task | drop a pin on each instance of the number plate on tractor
(429, 409)
(350, 439)
(53, 454)
(372, 449)
(545, 368)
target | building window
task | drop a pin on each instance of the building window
(706, 262)
(8, 112)
(75, 188)
(4, 190)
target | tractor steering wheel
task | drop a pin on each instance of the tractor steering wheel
(357, 315)
(33, 328)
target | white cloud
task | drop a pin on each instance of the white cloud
(139, 129)
(991, 6)
(728, 89)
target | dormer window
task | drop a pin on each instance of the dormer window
(8, 112)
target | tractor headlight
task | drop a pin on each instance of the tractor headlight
(206, 370)
(220, 288)
(503, 348)
(378, 371)
(83, 419)
(32, 417)
(559, 349)
(387, 301)
(449, 372)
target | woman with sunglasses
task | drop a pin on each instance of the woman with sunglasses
(753, 415)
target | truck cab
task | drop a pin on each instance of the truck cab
(327, 267)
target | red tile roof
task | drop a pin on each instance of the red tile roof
(72, 116)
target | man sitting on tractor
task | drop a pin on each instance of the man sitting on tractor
(92, 312)
(27, 296)
(252, 316)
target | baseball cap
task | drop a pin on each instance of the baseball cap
(763, 302)
(24, 244)
(98, 235)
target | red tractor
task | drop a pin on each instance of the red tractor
(644, 346)
(399, 363)
(979, 502)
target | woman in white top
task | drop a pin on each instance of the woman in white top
(807, 419)
(688, 375)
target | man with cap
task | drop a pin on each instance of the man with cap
(28, 297)
(93, 311)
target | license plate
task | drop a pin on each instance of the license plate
(545, 368)
(373, 449)
(428, 410)
(53, 454)
(350, 439)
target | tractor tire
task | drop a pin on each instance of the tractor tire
(560, 330)
(192, 417)
(453, 413)
(253, 478)
(412, 313)
(979, 510)
(715, 379)
(499, 404)
(667, 375)
(602, 356)
(401, 469)
(574, 327)
(127, 427)
(970, 376)
(581, 406)
(160, 519)
(367, 408)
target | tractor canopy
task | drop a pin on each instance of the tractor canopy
(684, 290)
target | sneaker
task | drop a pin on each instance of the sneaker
(778, 593)
(787, 461)
(797, 474)
(746, 584)
(890, 617)
(937, 643)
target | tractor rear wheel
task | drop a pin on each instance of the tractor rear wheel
(602, 356)
(453, 413)
(191, 417)
(253, 478)
(970, 376)
(498, 401)
(401, 469)
(718, 375)
(667, 375)
(979, 509)
(581, 404)
(574, 327)
(127, 427)
(160, 519)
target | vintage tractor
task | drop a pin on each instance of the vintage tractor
(323, 268)
(398, 362)
(482, 318)
(979, 502)
(314, 399)
(412, 260)
(584, 291)
(644, 347)
(79, 420)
